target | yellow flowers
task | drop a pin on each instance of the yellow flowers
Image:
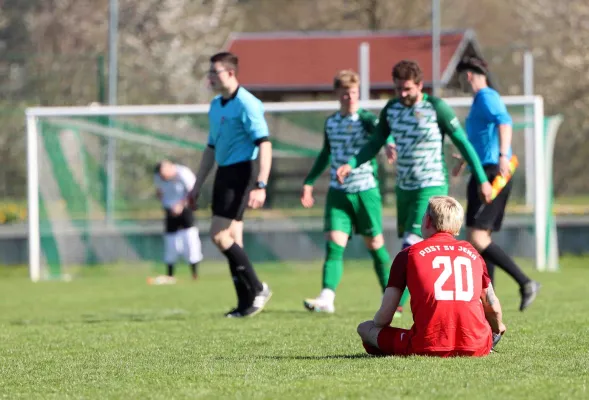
(12, 212)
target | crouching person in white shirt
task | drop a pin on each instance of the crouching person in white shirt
(174, 182)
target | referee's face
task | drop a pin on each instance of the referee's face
(408, 91)
(219, 76)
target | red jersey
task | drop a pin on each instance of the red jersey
(445, 277)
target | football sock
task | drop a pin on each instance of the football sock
(194, 269)
(244, 298)
(495, 255)
(327, 295)
(382, 265)
(333, 268)
(170, 269)
(244, 268)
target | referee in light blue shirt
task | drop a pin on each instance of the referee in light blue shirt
(489, 129)
(238, 135)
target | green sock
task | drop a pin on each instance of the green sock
(333, 268)
(404, 297)
(382, 265)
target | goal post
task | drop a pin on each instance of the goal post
(298, 123)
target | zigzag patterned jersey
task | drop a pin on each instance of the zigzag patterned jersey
(346, 135)
(418, 132)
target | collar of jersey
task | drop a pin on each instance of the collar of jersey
(353, 117)
(234, 95)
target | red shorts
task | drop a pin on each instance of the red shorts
(397, 342)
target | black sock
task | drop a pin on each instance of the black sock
(244, 267)
(194, 269)
(244, 297)
(497, 256)
(170, 269)
(490, 270)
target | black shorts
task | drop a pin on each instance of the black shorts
(175, 223)
(491, 215)
(231, 190)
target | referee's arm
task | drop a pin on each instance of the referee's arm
(495, 111)
(207, 162)
(256, 126)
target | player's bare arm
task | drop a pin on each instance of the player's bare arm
(319, 166)
(258, 196)
(505, 134)
(159, 194)
(390, 301)
(206, 165)
(493, 311)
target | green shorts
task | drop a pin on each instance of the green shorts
(354, 212)
(411, 206)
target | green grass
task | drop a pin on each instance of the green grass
(107, 334)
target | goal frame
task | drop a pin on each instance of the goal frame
(534, 139)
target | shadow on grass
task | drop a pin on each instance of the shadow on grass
(307, 358)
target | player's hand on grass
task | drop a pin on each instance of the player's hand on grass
(257, 198)
(307, 199)
(504, 166)
(343, 172)
(486, 192)
(460, 164)
(391, 152)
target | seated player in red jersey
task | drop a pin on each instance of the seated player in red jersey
(455, 310)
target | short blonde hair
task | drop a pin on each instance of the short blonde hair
(346, 79)
(446, 214)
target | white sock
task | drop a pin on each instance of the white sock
(327, 295)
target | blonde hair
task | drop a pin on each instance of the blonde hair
(346, 79)
(446, 214)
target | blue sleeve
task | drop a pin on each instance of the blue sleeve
(494, 109)
(253, 120)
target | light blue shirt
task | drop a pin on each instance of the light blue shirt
(482, 125)
(236, 127)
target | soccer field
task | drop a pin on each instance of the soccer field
(108, 334)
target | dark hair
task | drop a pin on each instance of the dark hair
(473, 64)
(158, 168)
(407, 70)
(228, 59)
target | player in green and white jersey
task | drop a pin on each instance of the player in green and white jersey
(418, 124)
(352, 206)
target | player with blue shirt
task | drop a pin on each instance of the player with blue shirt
(238, 135)
(489, 130)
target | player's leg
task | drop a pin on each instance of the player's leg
(170, 252)
(230, 194)
(237, 232)
(338, 228)
(481, 220)
(384, 341)
(170, 246)
(189, 237)
(192, 248)
(369, 225)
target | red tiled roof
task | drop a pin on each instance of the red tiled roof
(306, 61)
